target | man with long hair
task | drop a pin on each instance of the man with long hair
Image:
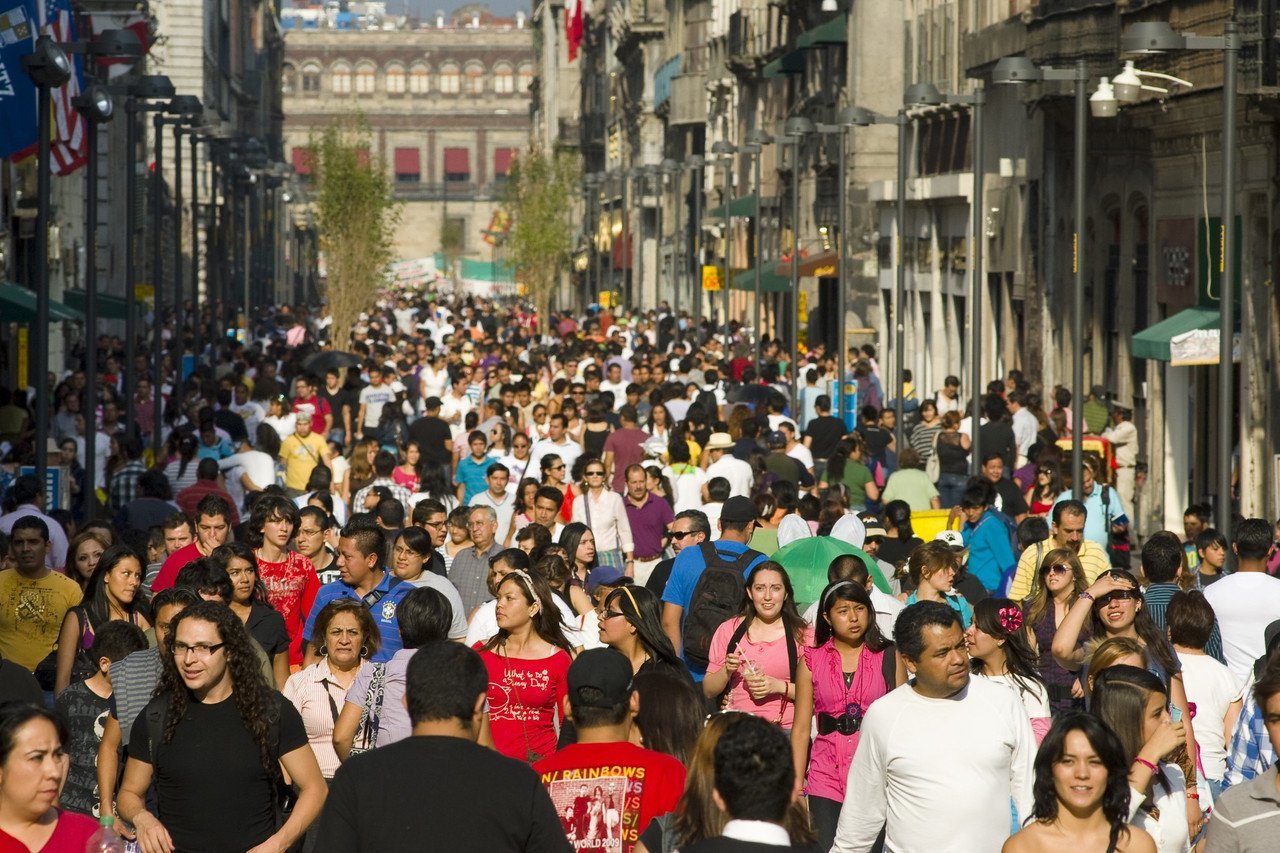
(214, 739)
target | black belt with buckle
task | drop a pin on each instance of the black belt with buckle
(845, 724)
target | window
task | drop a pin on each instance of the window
(340, 78)
(502, 158)
(450, 81)
(303, 159)
(288, 79)
(504, 79)
(457, 165)
(366, 75)
(408, 166)
(474, 78)
(311, 78)
(524, 79)
(395, 79)
(419, 80)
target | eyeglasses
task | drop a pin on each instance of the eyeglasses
(200, 650)
(680, 534)
(436, 524)
(1058, 569)
(1118, 595)
(612, 614)
(595, 473)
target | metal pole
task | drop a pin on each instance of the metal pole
(157, 350)
(638, 291)
(757, 232)
(979, 283)
(130, 268)
(1226, 331)
(695, 254)
(795, 279)
(39, 379)
(89, 495)
(724, 281)
(179, 321)
(842, 225)
(1077, 296)
(677, 240)
(900, 288)
(196, 311)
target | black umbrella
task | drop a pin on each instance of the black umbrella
(325, 360)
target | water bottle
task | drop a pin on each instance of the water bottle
(105, 840)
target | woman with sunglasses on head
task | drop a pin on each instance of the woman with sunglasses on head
(1045, 490)
(1060, 582)
(632, 623)
(1114, 607)
(1081, 793)
(528, 662)
(755, 658)
(999, 651)
(849, 666)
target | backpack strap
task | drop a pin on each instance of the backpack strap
(889, 666)
(738, 634)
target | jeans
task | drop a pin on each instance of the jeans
(951, 488)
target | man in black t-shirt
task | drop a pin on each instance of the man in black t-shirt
(822, 434)
(434, 437)
(341, 402)
(216, 772)
(484, 801)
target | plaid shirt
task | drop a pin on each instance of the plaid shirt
(398, 492)
(1251, 752)
(124, 484)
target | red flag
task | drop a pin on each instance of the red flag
(573, 26)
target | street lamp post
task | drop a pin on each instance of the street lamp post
(696, 163)
(592, 183)
(196, 313)
(671, 169)
(1019, 69)
(725, 151)
(1158, 37)
(756, 141)
(796, 129)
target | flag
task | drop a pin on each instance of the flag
(69, 133)
(573, 26)
(101, 21)
(17, 92)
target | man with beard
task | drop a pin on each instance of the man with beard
(1066, 531)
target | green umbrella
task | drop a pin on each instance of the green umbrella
(806, 561)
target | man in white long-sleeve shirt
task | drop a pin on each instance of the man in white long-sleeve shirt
(939, 758)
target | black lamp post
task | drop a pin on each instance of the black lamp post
(693, 264)
(725, 151)
(796, 129)
(755, 142)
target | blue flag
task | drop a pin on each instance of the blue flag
(18, 24)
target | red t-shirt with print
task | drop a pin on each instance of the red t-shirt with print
(292, 585)
(524, 696)
(607, 793)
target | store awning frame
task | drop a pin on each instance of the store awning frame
(788, 63)
(770, 281)
(744, 205)
(109, 307)
(834, 31)
(820, 265)
(18, 305)
(1187, 338)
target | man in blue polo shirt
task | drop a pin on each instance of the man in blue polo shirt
(737, 523)
(1103, 517)
(362, 577)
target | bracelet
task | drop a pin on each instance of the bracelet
(1193, 796)
(1146, 764)
(1086, 595)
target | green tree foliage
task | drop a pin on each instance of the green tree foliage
(356, 216)
(541, 189)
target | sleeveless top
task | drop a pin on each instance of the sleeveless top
(1056, 679)
(952, 458)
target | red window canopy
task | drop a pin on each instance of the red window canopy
(502, 158)
(457, 161)
(303, 159)
(408, 161)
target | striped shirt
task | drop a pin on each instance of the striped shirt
(133, 680)
(1246, 818)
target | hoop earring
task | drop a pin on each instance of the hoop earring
(364, 651)
(324, 650)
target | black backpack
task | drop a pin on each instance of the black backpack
(717, 596)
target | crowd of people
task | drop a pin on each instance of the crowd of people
(464, 585)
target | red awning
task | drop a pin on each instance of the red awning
(302, 160)
(502, 160)
(408, 161)
(457, 161)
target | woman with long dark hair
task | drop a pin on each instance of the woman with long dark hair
(1060, 582)
(249, 602)
(846, 467)
(528, 662)
(290, 578)
(632, 624)
(1134, 704)
(899, 539)
(211, 691)
(849, 666)
(114, 592)
(999, 651)
(552, 469)
(1081, 792)
(1044, 492)
(755, 658)
(672, 712)
(580, 544)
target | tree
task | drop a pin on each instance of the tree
(541, 188)
(356, 215)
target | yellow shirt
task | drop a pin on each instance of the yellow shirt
(31, 613)
(1092, 559)
(301, 456)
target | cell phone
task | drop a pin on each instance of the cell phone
(1175, 714)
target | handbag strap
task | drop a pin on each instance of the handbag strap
(372, 710)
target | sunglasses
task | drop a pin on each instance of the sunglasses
(1118, 595)
(559, 467)
(679, 534)
(1058, 569)
(595, 473)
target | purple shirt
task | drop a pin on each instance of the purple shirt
(648, 522)
(624, 444)
(393, 721)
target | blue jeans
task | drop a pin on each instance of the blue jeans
(951, 488)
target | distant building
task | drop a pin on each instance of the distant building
(447, 101)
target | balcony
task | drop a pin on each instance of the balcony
(662, 78)
(688, 100)
(636, 21)
(448, 191)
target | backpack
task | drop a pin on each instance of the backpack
(1117, 543)
(717, 595)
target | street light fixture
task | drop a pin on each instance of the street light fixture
(796, 129)
(755, 142)
(696, 163)
(592, 181)
(1019, 69)
(669, 168)
(725, 151)
(1158, 37)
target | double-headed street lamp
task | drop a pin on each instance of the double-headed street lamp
(795, 129)
(1159, 37)
(1019, 69)
(756, 141)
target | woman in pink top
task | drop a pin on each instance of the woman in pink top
(757, 655)
(849, 666)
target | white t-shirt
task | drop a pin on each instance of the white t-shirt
(260, 467)
(373, 399)
(1245, 604)
(687, 487)
(737, 472)
(1211, 687)
(802, 454)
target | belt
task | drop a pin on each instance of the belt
(845, 724)
(648, 559)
